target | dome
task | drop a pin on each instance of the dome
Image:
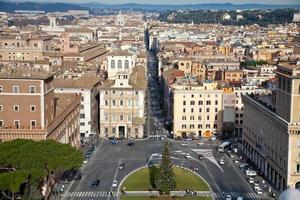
(289, 194)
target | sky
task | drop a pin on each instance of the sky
(174, 1)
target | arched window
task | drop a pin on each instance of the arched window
(112, 64)
(126, 64)
(119, 64)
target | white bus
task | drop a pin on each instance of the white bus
(224, 146)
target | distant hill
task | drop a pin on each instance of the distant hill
(6, 6)
(207, 6)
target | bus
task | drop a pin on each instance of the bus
(224, 146)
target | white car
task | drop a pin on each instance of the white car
(240, 198)
(259, 191)
(213, 138)
(222, 162)
(184, 144)
(85, 161)
(228, 197)
(256, 186)
(251, 180)
(188, 156)
(115, 183)
(251, 173)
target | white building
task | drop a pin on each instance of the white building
(122, 105)
(119, 61)
(87, 86)
(53, 28)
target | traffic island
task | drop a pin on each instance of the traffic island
(141, 185)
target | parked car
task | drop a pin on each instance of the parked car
(188, 156)
(251, 173)
(251, 180)
(115, 183)
(256, 186)
(95, 183)
(240, 198)
(114, 141)
(228, 197)
(184, 144)
(259, 191)
(222, 162)
(121, 166)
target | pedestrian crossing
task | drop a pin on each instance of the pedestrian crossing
(245, 195)
(91, 194)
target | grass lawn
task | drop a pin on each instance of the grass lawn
(165, 198)
(142, 179)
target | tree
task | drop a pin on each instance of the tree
(33, 162)
(165, 179)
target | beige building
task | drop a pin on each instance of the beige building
(197, 109)
(122, 105)
(271, 133)
(30, 109)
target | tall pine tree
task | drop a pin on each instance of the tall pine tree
(165, 179)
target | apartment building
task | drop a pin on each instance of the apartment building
(87, 87)
(119, 61)
(197, 109)
(122, 105)
(30, 109)
(271, 131)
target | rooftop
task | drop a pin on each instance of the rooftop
(23, 73)
(62, 101)
(85, 82)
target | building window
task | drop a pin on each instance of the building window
(136, 130)
(82, 98)
(82, 124)
(207, 110)
(1, 123)
(15, 89)
(183, 110)
(121, 103)
(106, 102)
(192, 118)
(119, 64)
(81, 106)
(16, 108)
(208, 103)
(105, 116)
(184, 103)
(32, 124)
(128, 130)
(216, 109)
(199, 126)
(215, 126)
(216, 102)
(200, 110)
(82, 116)
(129, 102)
(121, 117)
(32, 108)
(32, 89)
(183, 117)
(112, 64)
(183, 126)
(216, 117)
(17, 124)
(1, 108)
(1, 88)
(113, 102)
(200, 103)
(298, 168)
(106, 130)
(136, 92)
(129, 117)
(192, 110)
(126, 64)
(199, 118)
(113, 130)
(192, 103)
(207, 117)
(207, 125)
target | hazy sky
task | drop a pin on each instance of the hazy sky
(174, 1)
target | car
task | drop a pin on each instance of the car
(188, 139)
(213, 138)
(95, 183)
(200, 143)
(121, 165)
(236, 161)
(188, 156)
(228, 197)
(240, 198)
(113, 141)
(251, 180)
(222, 162)
(184, 144)
(259, 191)
(115, 183)
(242, 165)
(201, 157)
(251, 173)
(85, 161)
(130, 144)
(256, 186)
